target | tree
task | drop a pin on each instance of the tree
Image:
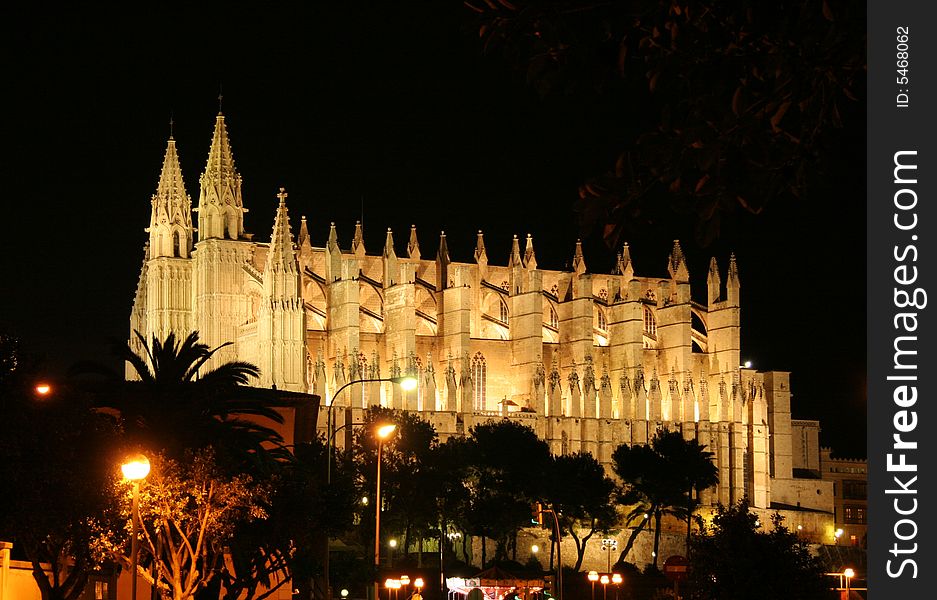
(659, 479)
(411, 507)
(691, 465)
(719, 107)
(508, 470)
(57, 455)
(176, 405)
(189, 511)
(578, 489)
(735, 560)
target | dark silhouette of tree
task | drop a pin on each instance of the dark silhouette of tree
(176, 405)
(736, 560)
(583, 496)
(410, 507)
(56, 465)
(509, 464)
(719, 106)
(692, 466)
(659, 478)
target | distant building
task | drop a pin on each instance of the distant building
(588, 360)
(850, 504)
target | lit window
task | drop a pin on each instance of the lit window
(479, 380)
(854, 514)
(650, 323)
(601, 323)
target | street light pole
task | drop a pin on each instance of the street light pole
(382, 433)
(134, 470)
(407, 383)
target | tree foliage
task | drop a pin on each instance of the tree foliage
(189, 512)
(734, 559)
(578, 489)
(727, 105)
(658, 479)
(55, 459)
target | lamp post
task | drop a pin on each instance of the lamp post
(407, 383)
(135, 469)
(604, 581)
(848, 573)
(390, 555)
(593, 577)
(616, 579)
(609, 545)
(418, 591)
(383, 432)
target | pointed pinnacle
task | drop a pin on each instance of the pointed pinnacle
(413, 246)
(480, 253)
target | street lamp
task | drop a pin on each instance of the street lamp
(390, 555)
(609, 545)
(616, 579)
(407, 383)
(848, 573)
(604, 581)
(593, 577)
(135, 469)
(383, 432)
(418, 584)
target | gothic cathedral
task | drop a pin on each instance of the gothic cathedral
(588, 360)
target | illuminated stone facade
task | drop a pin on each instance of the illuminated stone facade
(588, 360)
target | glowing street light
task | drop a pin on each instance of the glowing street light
(848, 573)
(418, 593)
(134, 470)
(43, 389)
(407, 383)
(616, 579)
(604, 581)
(383, 432)
(593, 576)
(535, 548)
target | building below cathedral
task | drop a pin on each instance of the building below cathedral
(588, 360)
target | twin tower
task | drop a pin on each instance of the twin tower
(588, 360)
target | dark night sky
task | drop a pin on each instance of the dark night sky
(395, 107)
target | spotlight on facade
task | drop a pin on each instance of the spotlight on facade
(748, 364)
(535, 548)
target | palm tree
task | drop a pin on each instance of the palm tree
(660, 479)
(174, 405)
(690, 463)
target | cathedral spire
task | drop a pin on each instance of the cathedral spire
(579, 263)
(413, 246)
(442, 263)
(480, 254)
(625, 267)
(713, 282)
(303, 232)
(171, 215)
(530, 259)
(220, 207)
(732, 282)
(357, 242)
(389, 244)
(515, 258)
(332, 243)
(676, 264)
(280, 274)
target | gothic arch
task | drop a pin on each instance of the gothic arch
(316, 305)
(425, 303)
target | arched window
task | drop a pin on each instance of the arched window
(176, 246)
(504, 312)
(600, 321)
(554, 319)
(479, 380)
(650, 323)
